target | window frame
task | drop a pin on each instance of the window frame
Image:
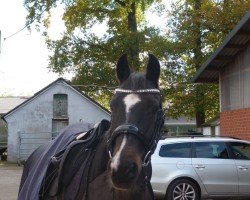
(176, 143)
(59, 119)
(194, 155)
(57, 97)
(232, 152)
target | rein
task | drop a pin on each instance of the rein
(134, 131)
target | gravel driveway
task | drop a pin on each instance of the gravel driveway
(10, 176)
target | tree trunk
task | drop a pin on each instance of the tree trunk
(200, 113)
(134, 41)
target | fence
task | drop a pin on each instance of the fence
(3, 144)
(28, 142)
(3, 140)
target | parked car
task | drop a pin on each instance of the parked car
(193, 168)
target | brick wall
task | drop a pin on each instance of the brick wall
(236, 123)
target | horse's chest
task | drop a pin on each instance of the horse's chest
(101, 188)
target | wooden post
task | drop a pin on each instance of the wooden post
(18, 148)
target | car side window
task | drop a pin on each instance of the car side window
(177, 150)
(211, 150)
(241, 150)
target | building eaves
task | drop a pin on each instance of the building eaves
(47, 87)
(236, 41)
(8, 103)
(89, 98)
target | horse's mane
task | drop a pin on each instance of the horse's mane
(137, 80)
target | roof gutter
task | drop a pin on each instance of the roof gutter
(225, 42)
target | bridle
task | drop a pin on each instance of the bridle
(131, 129)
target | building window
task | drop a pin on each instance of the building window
(60, 113)
(60, 106)
(179, 129)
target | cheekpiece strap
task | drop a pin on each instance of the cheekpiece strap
(118, 90)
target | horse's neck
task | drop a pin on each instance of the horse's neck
(101, 158)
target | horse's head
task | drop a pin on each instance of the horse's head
(137, 117)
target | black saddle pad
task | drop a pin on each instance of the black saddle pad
(67, 163)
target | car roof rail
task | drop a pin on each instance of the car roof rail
(232, 137)
(197, 136)
(179, 136)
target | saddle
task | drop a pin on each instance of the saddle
(70, 166)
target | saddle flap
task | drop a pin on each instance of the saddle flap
(65, 164)
(78, 153)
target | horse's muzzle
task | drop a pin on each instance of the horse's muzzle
(125, 176)
(125, 162)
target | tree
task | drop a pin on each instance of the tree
(197, 28)
(90, 56)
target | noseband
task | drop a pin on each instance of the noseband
(133, 130)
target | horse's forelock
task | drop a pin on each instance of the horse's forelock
(136, 81)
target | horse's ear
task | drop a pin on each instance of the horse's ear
(153, 70)
(122, 68)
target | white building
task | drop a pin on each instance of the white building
(43, 115)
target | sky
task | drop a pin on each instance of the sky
(24, 55)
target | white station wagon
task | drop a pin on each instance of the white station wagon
(193, 168)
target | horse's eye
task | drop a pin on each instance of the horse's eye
(154, 109)
(112, 106)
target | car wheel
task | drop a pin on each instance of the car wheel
(182, 189)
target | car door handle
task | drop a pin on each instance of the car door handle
(242, 167)
(199, 166)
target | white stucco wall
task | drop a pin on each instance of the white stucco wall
(217, 130)
(36, 115)
(206, 130)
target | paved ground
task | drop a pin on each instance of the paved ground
(10, 176)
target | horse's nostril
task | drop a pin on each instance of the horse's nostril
(131, 170)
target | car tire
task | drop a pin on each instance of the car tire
(182, 189)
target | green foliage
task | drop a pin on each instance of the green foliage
(195, 29)
(91, 56)
(195, 34)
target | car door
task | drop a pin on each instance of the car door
(170, 161)
(217, 172)
(241, 152)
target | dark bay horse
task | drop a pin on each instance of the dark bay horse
(110, 161)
